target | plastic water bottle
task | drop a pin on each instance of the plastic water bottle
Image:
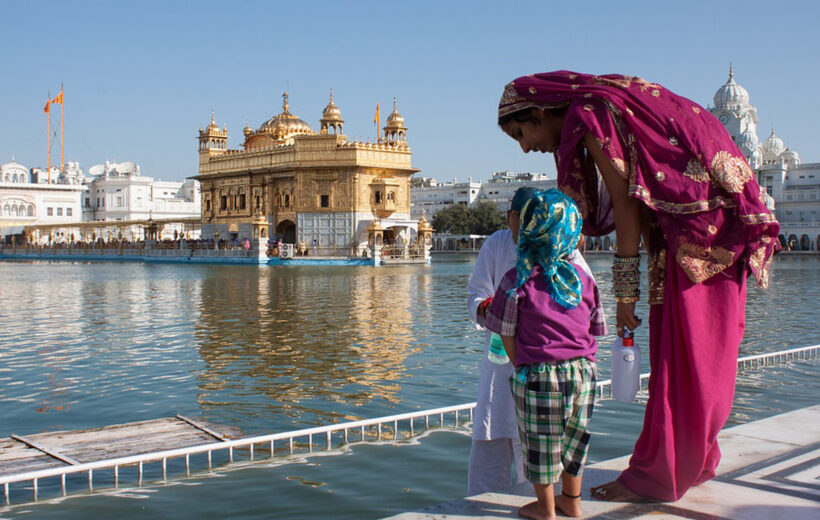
(626, 368)
(496, 353)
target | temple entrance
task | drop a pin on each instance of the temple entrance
(389, 237)
(287, 231)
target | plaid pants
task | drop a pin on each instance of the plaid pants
(553, 404)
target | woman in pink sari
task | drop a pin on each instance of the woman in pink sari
(648, 163)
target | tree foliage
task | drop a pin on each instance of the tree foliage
(459, 219)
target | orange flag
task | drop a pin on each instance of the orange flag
(46, 108)
(59, 98)
(376, 119)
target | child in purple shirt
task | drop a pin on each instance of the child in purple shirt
(548, 312)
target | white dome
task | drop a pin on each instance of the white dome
(13, 166)
(748, 140)
(773, 145)
(731, 95)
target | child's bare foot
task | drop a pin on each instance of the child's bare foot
(568, 505)
(534, 511)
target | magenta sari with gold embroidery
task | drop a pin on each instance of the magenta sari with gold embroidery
(677, 158)
(708, 213)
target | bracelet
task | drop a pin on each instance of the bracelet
(626, 278)
(627, 259)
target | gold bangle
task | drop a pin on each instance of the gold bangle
(626, 299)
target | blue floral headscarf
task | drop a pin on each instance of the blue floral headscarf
(550, 230)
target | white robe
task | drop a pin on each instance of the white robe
(494, 415)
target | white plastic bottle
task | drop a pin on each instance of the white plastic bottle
(626, 368)
(496, 353)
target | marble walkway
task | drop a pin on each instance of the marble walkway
(770, 470)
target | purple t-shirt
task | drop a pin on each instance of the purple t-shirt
(544, 330)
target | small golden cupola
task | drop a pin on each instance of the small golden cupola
(395, 132)
(331, 118)
(213, 139)
(283, 127)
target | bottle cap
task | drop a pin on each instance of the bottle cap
(629, 339)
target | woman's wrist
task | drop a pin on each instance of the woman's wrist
(626, 278)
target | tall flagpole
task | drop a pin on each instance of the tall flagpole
(62, 113)
(48, 140)
(376, 120)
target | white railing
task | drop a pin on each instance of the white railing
(326, 438)
(604, 388)
(319, 438)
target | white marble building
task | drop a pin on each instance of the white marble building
(432, 196)
(794, 187)
(118, 191)
(503, 185)
(429, 196)
(32, 196)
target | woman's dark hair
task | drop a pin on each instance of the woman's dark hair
(528, 114)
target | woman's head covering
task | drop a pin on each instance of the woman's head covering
(676, 157)
(550, 229)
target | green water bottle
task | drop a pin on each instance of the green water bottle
(497, 354)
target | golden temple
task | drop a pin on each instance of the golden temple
(317, 190)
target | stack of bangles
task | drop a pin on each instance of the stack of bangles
(626, 278)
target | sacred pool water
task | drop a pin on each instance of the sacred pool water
(265, 350)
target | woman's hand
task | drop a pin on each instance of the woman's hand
(625, 317)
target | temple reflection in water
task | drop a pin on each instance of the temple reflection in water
(292, 337)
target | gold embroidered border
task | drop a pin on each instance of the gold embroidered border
(758, 218)
(682, 208)
(760, 265)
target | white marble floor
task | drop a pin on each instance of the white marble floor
(770, 470)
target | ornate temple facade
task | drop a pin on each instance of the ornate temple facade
(315, 189)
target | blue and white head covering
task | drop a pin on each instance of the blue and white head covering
(550, 230)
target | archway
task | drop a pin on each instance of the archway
(805, 243)
(287, 231)
(389, 236)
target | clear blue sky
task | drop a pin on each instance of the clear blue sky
(142, 77)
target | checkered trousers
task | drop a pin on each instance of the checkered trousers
(553, 404)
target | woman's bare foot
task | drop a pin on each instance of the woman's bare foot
(535, 512)
(616, 492)
(568, 506)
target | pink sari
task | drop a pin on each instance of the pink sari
(710, 228)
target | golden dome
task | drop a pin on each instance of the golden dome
(212, 127)
(395, 120)
(284, 125)
(331, 111)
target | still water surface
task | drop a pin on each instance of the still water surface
(265, 350)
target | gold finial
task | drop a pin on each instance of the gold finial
(395, 103)
(331, 95)
(212, 116)
(285, 104)
(731, 74)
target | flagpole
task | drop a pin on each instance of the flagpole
(48, 138)
(62, 114)
(376, 121)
